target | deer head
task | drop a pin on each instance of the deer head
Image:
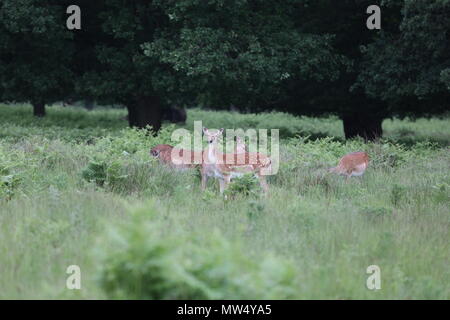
(212, 136)
(155, 151)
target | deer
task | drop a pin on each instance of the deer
(159, 150)
(240, 146)
(224, 167)
(176, 158)
(163, 151)
(352, 164)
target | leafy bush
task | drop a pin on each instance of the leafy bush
(115, 175)
(143, 263)
(95, 172)
(8, 184)
(397, 194)
(128, 176)
(9, 178)
(246, 185)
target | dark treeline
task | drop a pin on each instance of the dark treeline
(300, 56)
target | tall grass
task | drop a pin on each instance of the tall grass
(89, 194)
(82, 125)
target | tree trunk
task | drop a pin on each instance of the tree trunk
(366, 126)
(146, 111)
(132, 114)
(175, 114)
(89, 104)
(38, 109)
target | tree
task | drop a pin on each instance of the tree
(345, 22)
(191, 54)
(400, 70)
(118, 71)
(300, 56)
(410, 68)
(241, 53)
(35, 53)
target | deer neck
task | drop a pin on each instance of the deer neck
(212, 153)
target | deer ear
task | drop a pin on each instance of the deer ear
(205, 129)
(221, 130)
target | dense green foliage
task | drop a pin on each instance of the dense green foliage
(91, 195)
(410, 67)
(241, 53)
(300, 56)
(186, 266)
(36, 52)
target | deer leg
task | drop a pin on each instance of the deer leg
(204, 179)
(221, 185)
(263, 183)
(226, 182)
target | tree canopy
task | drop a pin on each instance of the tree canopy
(300, 56)
(36, 52)
(409, 68)
(241, 53)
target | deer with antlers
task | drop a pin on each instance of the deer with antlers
(227, 166)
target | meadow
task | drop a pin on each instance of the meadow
(80, 188)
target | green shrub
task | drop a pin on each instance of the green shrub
(145, 177)
(246, 185)
(397, 194)
(8, 184)
(144, 263)
(95, 172)
(9, 177)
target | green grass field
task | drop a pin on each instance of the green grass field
(79, 188)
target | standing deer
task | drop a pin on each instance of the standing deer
(227, 166)
(352, 164)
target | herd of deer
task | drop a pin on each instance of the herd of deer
(226, 166)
